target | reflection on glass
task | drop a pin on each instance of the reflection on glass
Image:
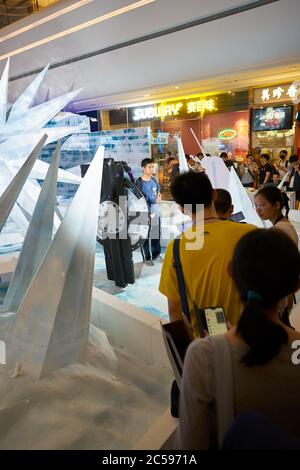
(14, 10)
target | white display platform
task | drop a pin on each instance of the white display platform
(139, 333)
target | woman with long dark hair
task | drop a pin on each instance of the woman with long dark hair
(261, 348)
(269, 203)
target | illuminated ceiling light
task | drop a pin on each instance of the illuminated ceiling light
(176, 87)
(45, 20)
(79, 27)
(146, 96)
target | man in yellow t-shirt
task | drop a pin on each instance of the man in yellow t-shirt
(205, 252)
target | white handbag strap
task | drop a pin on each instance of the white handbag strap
(224, 385)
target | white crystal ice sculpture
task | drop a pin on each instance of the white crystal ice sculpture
(51, 326)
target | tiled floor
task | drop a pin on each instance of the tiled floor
(143, 293)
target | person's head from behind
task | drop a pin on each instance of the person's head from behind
(276, 177)
(294, 161)
(283, 154)
(264, 158)
(147, 165)
(269, 203)
(190, 190)
(223, 204)
(224, 156)
(257, 273)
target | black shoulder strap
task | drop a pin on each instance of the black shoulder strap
(250, 173)
(180, 279)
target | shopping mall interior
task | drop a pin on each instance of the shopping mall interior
(115, 116)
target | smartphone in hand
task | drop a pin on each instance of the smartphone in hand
(212, 320)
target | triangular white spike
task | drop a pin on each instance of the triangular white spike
(17, 215)
(19, 146)
(37, 240)
(241, 200)
(183, 165)
(64, 176)
(25, 100)
(38, 116)
(10, 195)
(6, 322)
(3, 95)
(217, 171)
(52, 323)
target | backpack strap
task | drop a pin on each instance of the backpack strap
(180, 279)
(224, 385)
(251, 174)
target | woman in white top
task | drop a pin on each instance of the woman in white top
(265, 379)
(282, 165)
(248, 171)
(269, 203)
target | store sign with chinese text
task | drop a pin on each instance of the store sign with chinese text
(276, 94)
(161, 111)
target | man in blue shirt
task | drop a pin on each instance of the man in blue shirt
(150, 188)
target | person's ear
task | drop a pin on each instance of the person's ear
(277, 205)
(230, 210)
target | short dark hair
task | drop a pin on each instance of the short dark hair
(284, 151)
(293, 158)
(146, 162)
(223, 201)
(223, 155)
(266, 156)
(192, 188)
